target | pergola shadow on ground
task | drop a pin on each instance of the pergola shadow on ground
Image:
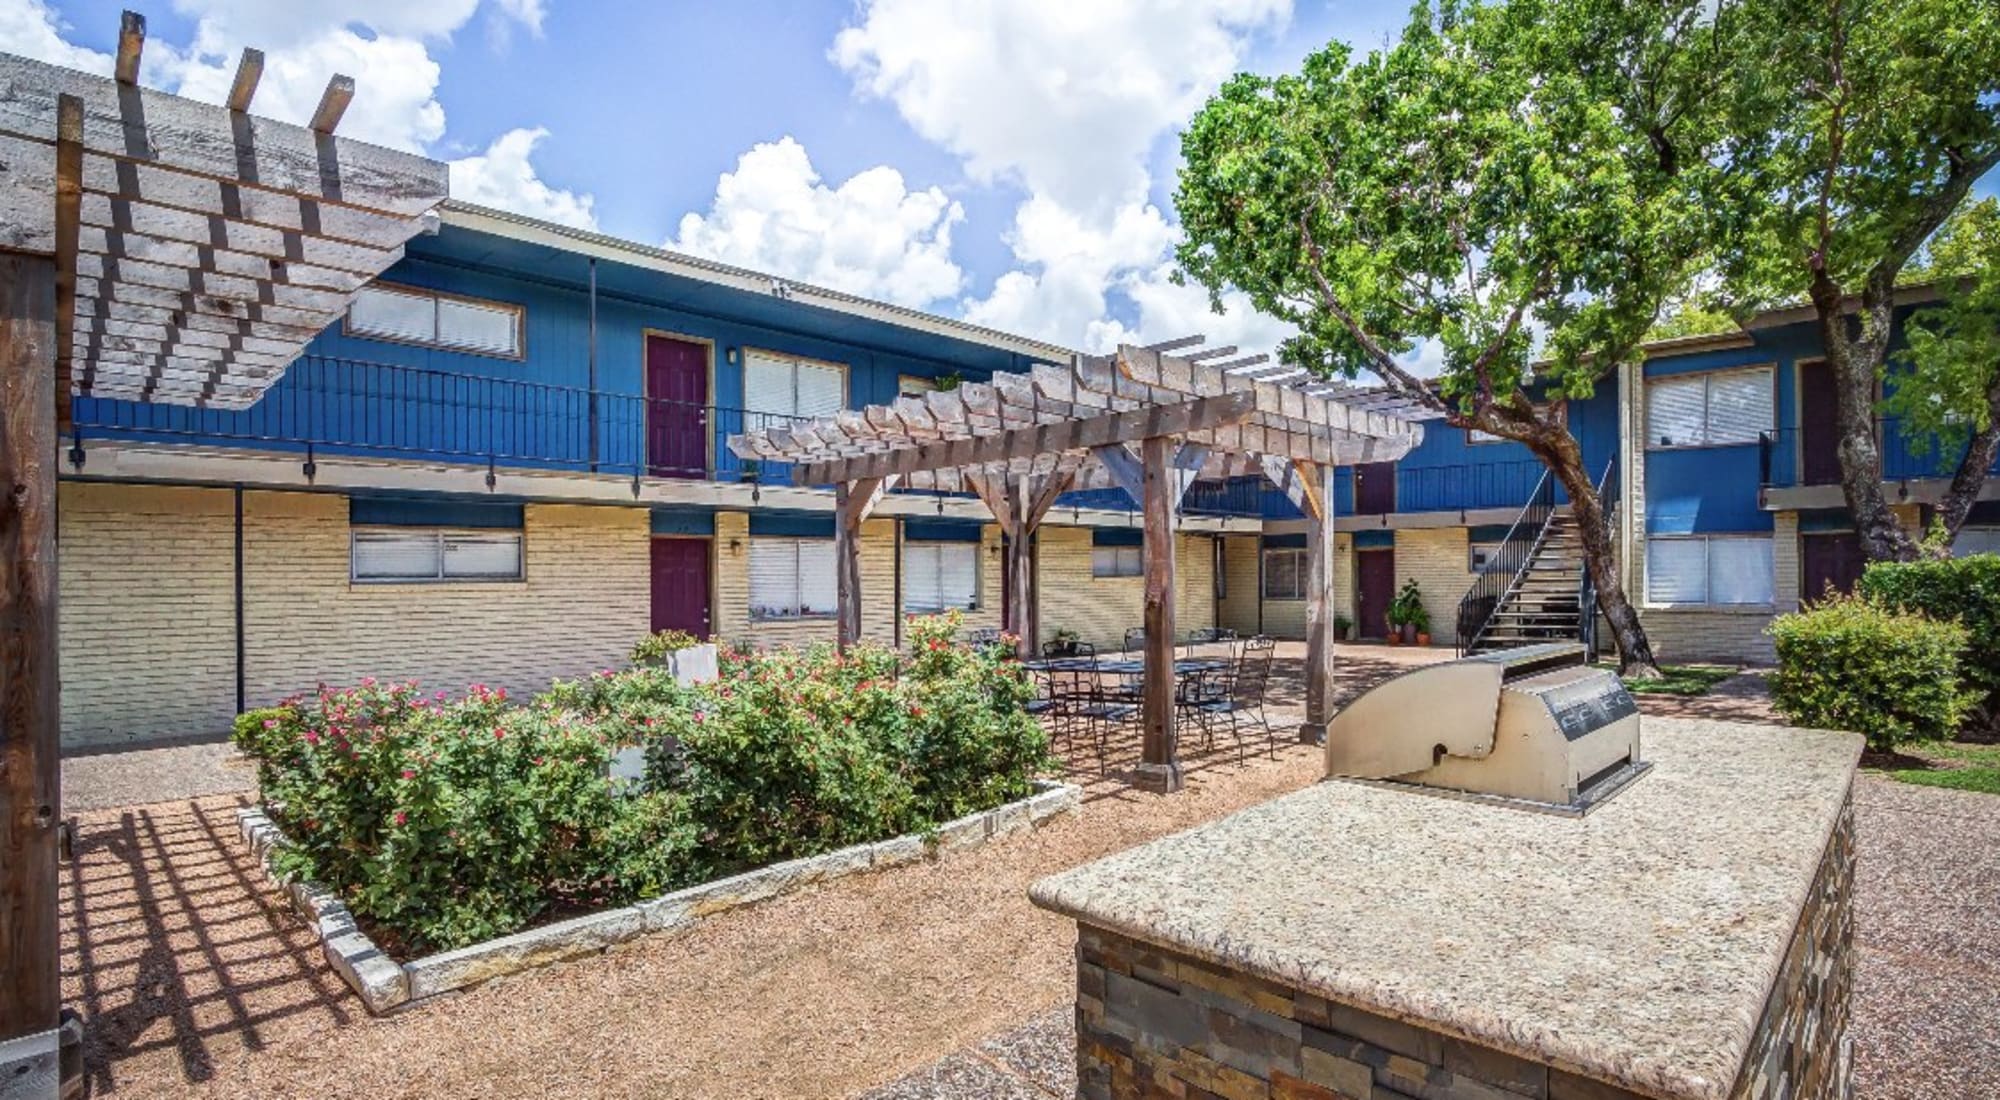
(1151, 421)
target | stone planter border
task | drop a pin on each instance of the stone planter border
(385, 984)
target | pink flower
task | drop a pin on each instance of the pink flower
(312, 738)
(408, 774)
(270, 723)
(401, 817)
(499, 734)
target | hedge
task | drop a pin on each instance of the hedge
(1965, 590)
(446, 821)
(1849, 663)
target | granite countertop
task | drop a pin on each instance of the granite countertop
(1635, 944)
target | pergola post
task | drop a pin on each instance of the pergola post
(852, 503)
(1020, 529)
(1318, 497)
(1159, 763)
(30, 727)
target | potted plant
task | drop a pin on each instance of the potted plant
(1343, 628)
(1406, 611)
(1422, 625)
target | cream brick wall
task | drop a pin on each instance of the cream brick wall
(1287, 618)
(1437, 558)
(991, 612)
(146, 612)
(1680, 635)
(584, 601)
(1241, 575)
(732, 590)
(1099, 609)
(1785, 561)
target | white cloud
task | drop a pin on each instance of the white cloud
(872, 235)
(30, 28)
(503, 177)
(1068, 100)
(1068, 97)
(395, 101)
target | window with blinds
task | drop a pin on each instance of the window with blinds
(414, 316)
(1709, 410)
(396, 555)
(791, 578)
(777, 389)
(1117, 561)
(1285, 574)
(940, 576)
(1715, 570)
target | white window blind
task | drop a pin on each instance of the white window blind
(786, 388)
(940, 575)
(422, 317)
(1709, 570)
(1117, 561)
(1705, 410)
(1285, 574)
(387, 555)
(791, 577)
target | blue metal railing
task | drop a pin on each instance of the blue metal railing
(345, 406)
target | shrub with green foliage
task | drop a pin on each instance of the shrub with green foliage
(1849, 663)
(655, 648)
(1965, 590)
(449, 821)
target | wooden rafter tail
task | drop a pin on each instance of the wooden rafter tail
(332, 104)
(249, 70)
(69, 200)
(1246, 362)
(1179, 342)
(131, 43)
(1204, 354)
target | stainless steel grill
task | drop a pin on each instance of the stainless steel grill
(1533, 724)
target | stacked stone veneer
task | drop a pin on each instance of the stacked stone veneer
(1153, 1022)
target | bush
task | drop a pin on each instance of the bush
(449, 821)
(1851, 664)
(1966, 590)
(655, 648)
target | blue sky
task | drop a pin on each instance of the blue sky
(1006, 161)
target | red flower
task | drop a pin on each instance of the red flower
(312, 738)
(401, 817)
(499, 734)
(408, 774)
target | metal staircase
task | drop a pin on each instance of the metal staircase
(1534, 587)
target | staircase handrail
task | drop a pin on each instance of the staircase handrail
(1508, 563)
(1586, 597)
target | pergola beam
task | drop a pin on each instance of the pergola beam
(1135, 424)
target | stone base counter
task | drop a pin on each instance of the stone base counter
(1689, 939)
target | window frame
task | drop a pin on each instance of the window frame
(1707, 602)
(940, 546)
(1707, 399)
(1118, 556)
(519, 310)
(439, 535)
(1299, 571)
(743, 356)
(798, 581)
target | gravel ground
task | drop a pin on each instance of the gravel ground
(940, 978)
(164, 773)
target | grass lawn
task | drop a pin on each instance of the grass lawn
(1681, 679)
(1954, 764)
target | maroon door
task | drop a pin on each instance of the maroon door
(1374, 586)
(1834, 560)
(680, 585)
(676, 407)
(1819, 430)
(1374, 488)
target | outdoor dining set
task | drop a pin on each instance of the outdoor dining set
(1084, 695)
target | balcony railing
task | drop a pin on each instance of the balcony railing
(344, 406)
(1467, 485)
(1788, 457)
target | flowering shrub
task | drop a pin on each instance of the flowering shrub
(450, 821)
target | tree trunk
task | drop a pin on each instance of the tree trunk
(1855, 361)
(1971, 475)
(1558, 449)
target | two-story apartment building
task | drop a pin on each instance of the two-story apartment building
(508, 462)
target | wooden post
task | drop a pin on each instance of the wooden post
(1159, 763)
(1317, 483)
(1021, 568)
(30, 992)
(846, 567)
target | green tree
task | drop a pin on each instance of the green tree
(1519, 185)
(1860, 128)
(1950, 388)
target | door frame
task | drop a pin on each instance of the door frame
(651, 538)
(646, 333)
(1799, 366)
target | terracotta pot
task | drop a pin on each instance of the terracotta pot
(1395, 635)
(1423, 638)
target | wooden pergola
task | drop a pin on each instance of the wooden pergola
(157, 249)
(1146, 420)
